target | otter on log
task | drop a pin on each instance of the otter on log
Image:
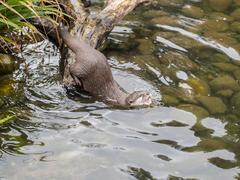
(92, 72)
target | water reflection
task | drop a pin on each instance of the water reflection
(187, 61)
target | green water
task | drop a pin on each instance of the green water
(185, 53)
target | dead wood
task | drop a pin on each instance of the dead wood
(93, 29)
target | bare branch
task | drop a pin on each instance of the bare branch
(97, 28)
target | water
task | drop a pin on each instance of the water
(190, 67)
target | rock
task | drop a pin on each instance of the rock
(200, 87)
(204, 53)
(225, 39)
(237, 2)
(237, 75)
(227, 67)
(225, 93)
(170, 100)
(192, 11)
(180, 93)
(144, 60)
(211, 145)
(121, 42)
(169, 73)
(165, 20)
(232, 118)
(212, 104)
(179, 60)
(235, 101)
(154, 13)
(220, 5)
(185, 42)
(145, 46)
(235, 27)
(8, 64)
(1, 102)
(221, 17)
(6, 87)
(166, 35)
(236, 62)
(219, 58)
(215, 25)
(236, 14)
(196, 110)
(171, 3)
(224, 82)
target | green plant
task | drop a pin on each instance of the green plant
(15, 13)
(5, 119)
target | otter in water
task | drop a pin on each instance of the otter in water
(92, 72)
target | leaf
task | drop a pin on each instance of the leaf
(6, 119)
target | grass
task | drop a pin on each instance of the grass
(14, 15)
(6, 119)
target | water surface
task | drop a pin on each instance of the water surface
(185, 53)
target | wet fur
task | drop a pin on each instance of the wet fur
(92, 72)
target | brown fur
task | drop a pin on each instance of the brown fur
(92, 72)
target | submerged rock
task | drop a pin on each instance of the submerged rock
(227, 67)
(220, 5)
(237, 2)
(225, 38)
(224, 82)
(6, 87)
(196, 110)
(145, 46)
(173, 3)
(154, 13)
(218, 57)
(165, 20)
(180, 93)
(235, 101)
(237, 75)
(225, 93)
(221, 16)
(8, 64)
(236, 14)
(235, 27)
(215, 25)
(185, 42)
(1, 102)
(212, 104)
(164, 34)
(144, 60)
(169, 73)
(170, 100)
(193, 11)
(200, 87)
(179, 60)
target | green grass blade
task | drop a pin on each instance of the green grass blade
(6, 119)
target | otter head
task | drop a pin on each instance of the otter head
(138, 98)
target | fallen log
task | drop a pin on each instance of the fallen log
(93, 29)
(83, 24)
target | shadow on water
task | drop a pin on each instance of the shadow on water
(185, 53)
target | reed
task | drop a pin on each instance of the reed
(14, 15)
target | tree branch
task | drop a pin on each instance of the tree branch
(95, 29)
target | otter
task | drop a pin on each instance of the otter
(92, 73)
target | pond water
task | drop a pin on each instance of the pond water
(184, 52)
